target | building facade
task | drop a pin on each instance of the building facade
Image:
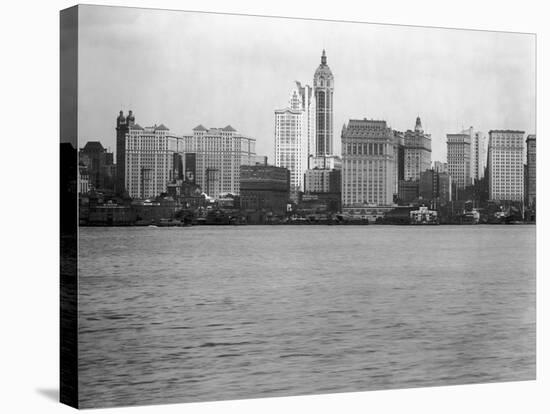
(417, 152)
(219, 155)
(368, 163)
(320, 180)
(83, 179)
(329, 162)
(458, 159)
(408, 191)
(531, 171)
(323, 87)
(505, 165)
(149, 161)
(441, 167)
(153, 157)
(258, 159)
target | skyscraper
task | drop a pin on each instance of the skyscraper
(458, 159)
(308, 107)
(123, 125)
(323, 86)
(505, 165)
(479, 155)
(149, 160)
(418, 152)
(399, 140)
(292, 125)
(368, 163)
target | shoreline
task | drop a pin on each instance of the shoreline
(309, 224)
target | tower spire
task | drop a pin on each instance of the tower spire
(324, 58)
(418, 126)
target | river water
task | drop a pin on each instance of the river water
(208, 313)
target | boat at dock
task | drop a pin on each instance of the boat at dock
(423, 216)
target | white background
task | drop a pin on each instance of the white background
(29, 143)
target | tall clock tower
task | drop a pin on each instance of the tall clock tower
(323, 86)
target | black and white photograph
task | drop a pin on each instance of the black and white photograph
(255, 205)
(272, 207)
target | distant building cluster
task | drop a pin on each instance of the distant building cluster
(381, 171)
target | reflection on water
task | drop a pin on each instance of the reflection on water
(209, 313)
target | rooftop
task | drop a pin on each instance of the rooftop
(216, 131)
(285, 110)
(510, 131)
(93, 146)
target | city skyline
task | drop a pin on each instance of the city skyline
(181, 75)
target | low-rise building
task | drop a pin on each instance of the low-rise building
(109, 214)
(264, 191)
(155, 210)
(188, 195)
(319, 203)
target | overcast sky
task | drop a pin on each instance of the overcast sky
(184, 69)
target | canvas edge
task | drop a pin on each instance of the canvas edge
(68, 72)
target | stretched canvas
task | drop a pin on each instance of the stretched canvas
(264, 206)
